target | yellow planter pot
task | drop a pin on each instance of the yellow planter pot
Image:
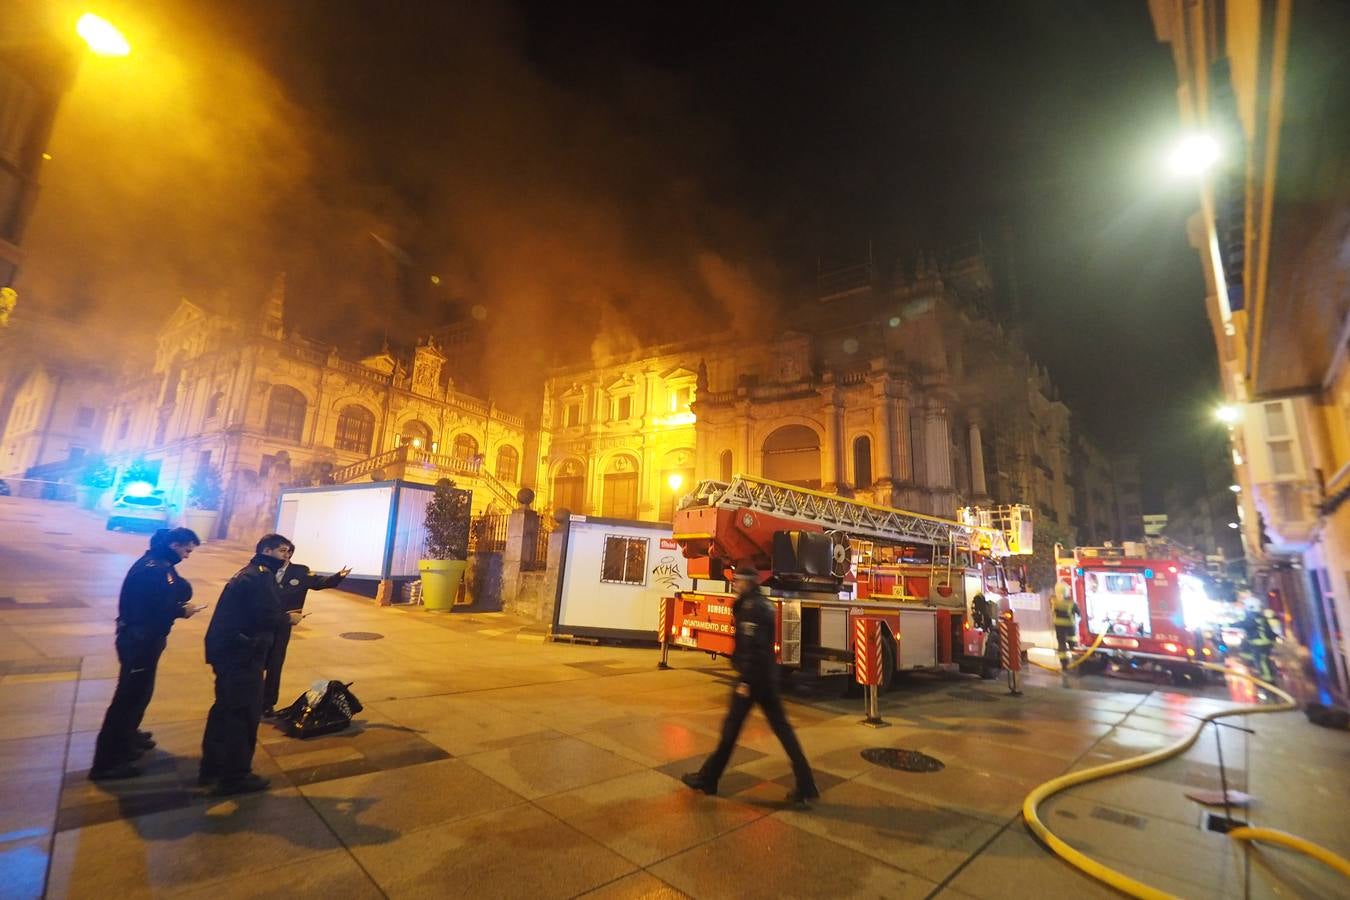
(440, 581)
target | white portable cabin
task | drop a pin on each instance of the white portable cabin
(377, 528)
(614, 574)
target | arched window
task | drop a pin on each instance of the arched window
(355, 429)
(569, 486)
(508, 462)
(862, 461)
(416, 433)
(792, 455)
(286, 413)
(465, 447)
(724, 462)
(620, 497)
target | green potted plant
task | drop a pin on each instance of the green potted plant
(203, 502)
(96, 479)
(447, 547)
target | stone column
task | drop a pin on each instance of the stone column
(978, 487)
(744, 464)
(938, 447)
(831, 456)
(886, 431)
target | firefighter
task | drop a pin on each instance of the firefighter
(153, 597)
(294, 582)
(1259, 640)
(1065, 612)
(242, 629)
(753, 659)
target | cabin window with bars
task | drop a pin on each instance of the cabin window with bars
(624, 561)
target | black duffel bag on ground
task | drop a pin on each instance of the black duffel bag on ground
(321, 710)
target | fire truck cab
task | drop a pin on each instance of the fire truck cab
(1140, 598)
(937, 586)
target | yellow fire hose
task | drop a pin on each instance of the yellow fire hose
(1077, 662)
(1120, 880)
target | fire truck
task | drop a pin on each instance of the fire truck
(828, 561)
(1141, 597)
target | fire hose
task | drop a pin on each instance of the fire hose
(1123, 882)
(1077, 662)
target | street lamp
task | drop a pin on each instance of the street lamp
(102, 36)
(1229, 414)
(1194, 155)
(1235, 488)
(675, 480)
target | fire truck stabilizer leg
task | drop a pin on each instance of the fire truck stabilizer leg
(664, 623)
(873, 719)
(665, 656)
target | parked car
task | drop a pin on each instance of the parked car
(143, 512)
(4, 488)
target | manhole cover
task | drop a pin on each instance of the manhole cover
(361, 635)
(904, 760)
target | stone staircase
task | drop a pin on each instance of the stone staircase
(417, 464)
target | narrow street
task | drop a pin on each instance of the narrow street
(506, 766)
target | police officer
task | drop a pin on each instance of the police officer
(1065, 611)
(753, 659)
(242, 628)
(294, 581)
(153, 596)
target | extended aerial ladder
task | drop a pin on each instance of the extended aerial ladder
(827, 560)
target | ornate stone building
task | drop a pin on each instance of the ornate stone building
(266, 406)
(907, 395)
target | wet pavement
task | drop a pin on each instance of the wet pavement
(488, 763)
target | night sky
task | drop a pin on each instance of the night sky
(597, 162)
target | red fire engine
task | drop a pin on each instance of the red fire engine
(827, 561)
(1140, 598)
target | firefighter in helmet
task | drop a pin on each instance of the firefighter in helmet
(1064, 612)
(1259, 640)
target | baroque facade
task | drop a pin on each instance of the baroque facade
(266, 407)
(906, 395)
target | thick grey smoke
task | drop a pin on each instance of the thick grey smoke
(572, 222)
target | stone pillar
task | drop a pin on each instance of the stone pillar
(831, 457)
(885, 449)
(978, 487)
(745, 464)
(938, 447)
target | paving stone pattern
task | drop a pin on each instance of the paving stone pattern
(488, 763)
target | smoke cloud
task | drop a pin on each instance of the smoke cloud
(365, 154)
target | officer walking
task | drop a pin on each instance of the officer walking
(753, 658)
(294, 582)
(1065, 612)
(153, 596)
(242, 628)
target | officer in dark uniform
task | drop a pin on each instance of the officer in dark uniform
(242, 628)
(153, 596)
(754, 659)
(294, 581)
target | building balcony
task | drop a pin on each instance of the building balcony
(1290, 510)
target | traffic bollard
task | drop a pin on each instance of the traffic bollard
(663, 632)
(867, 666)
(1010, 650)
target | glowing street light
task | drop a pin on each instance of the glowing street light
(675, 480)
(1235, 488)
(1195, 155)
(1229, 414)
(1232, 525)
(102, 36)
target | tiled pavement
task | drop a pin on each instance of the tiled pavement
(487, 764)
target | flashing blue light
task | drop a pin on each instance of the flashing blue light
(1078, 571)
(1148, 573)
